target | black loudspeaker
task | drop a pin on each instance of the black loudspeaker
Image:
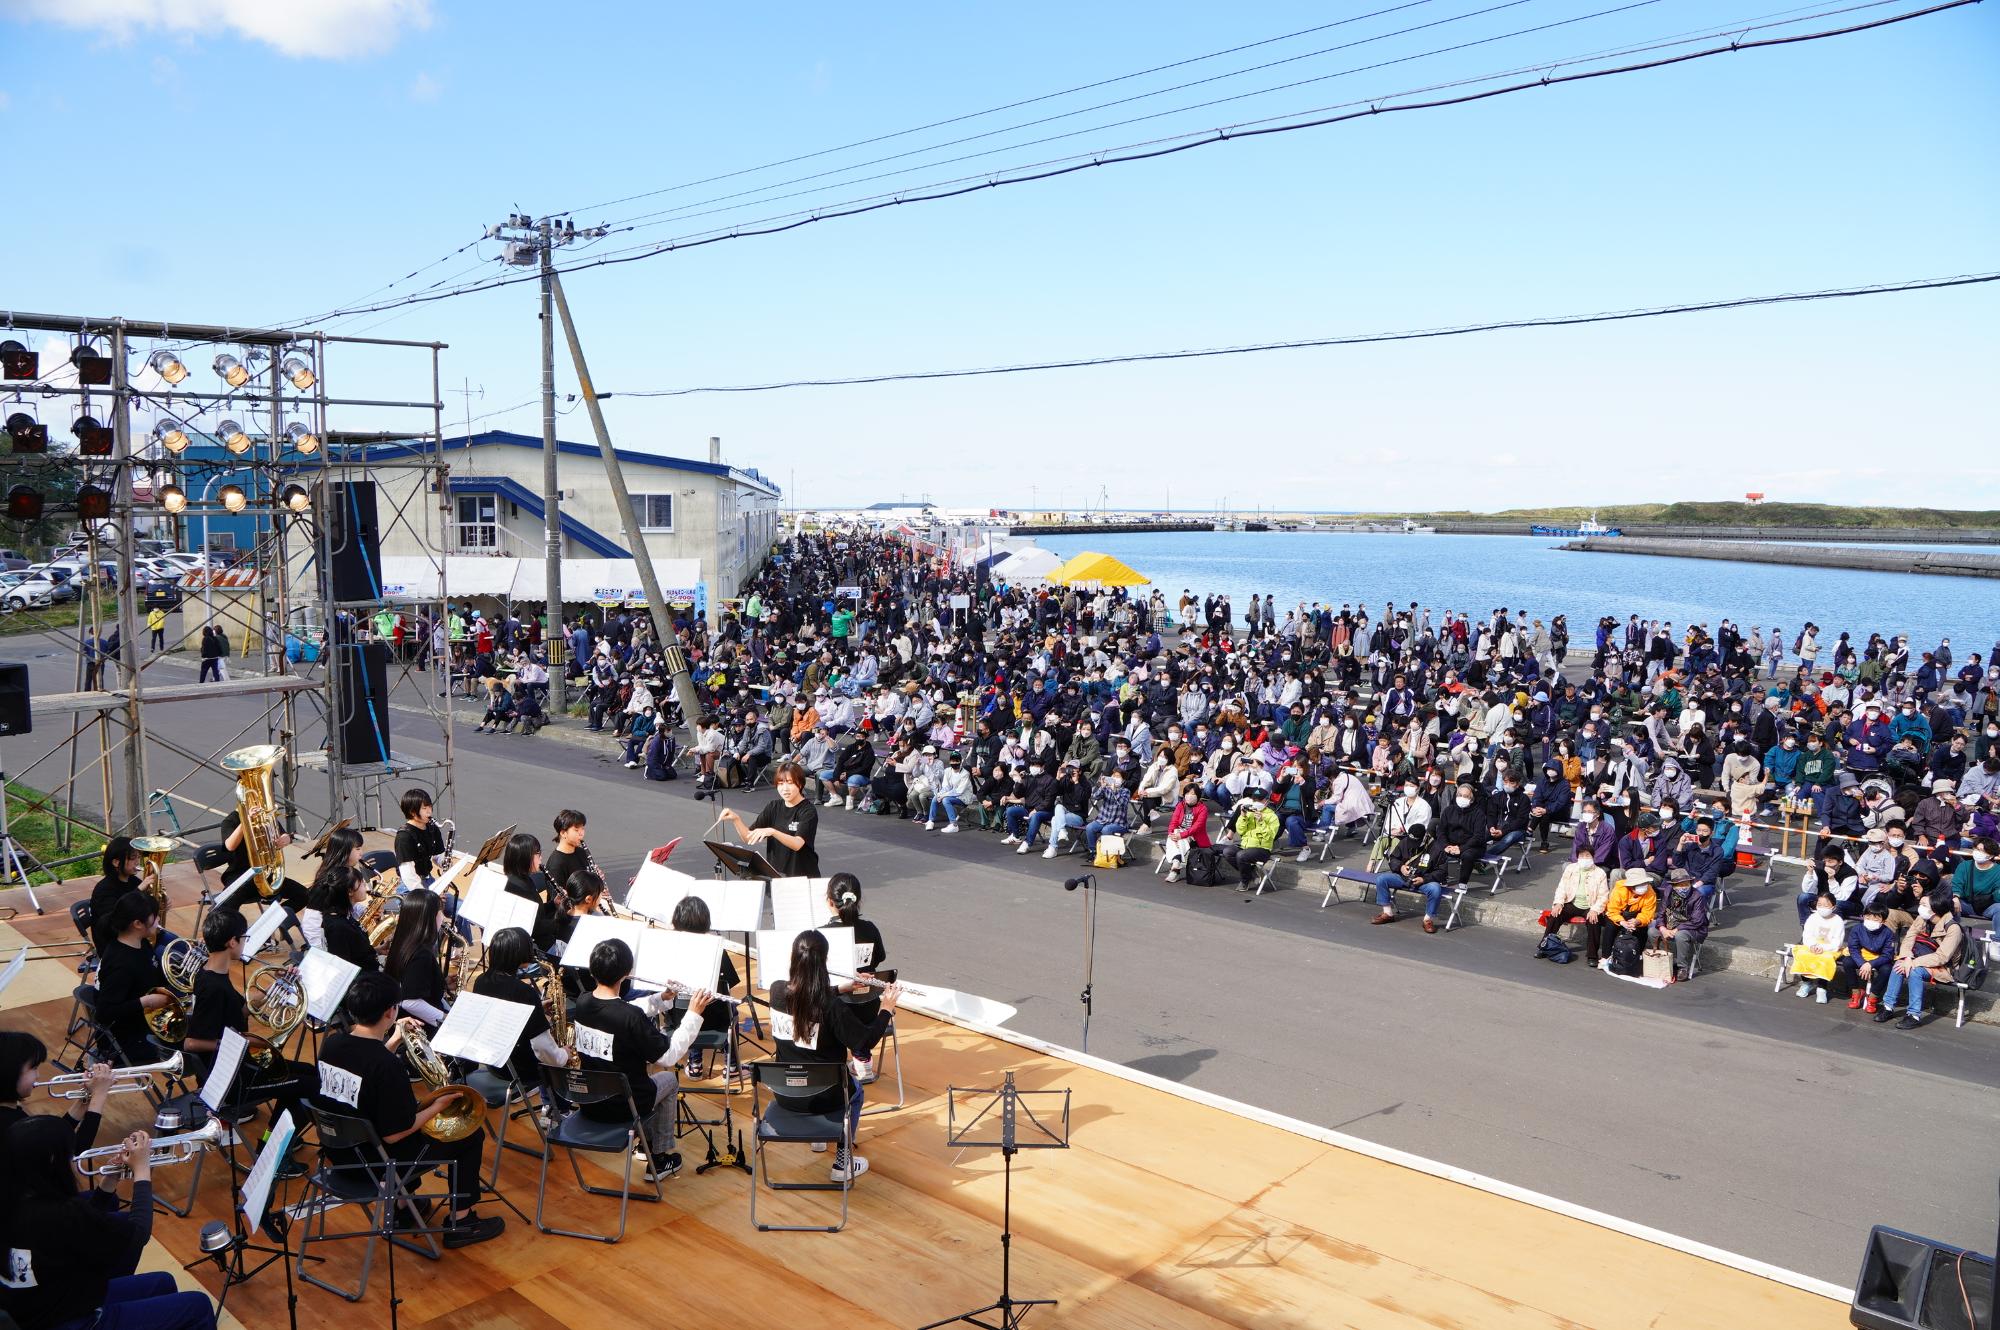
(15, 716)
(354, 571)
(1912, 1283)
(360, 720)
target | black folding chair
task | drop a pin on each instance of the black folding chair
(376, 1181)
(792, 1086)
(572, 1131)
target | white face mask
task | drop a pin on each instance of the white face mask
(1924, 910)
(1824, 911)
(1981, 857)
(1409, 791)
(1589, 817)
(1464, 801)
(1896, 842)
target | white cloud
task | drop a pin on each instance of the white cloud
(328, 29)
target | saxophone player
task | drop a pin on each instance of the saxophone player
(509, 953)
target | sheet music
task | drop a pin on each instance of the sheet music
(482, 1029)
(267, 923)
(257, 1186)
(14, 967)
(692, 960)
(592, 929)
(797, 903)
(460, 861)
(325, 977)
(487, 882)
(509, 911)
(734, 906)
(657, 889)
(228, 1061)
(230, 892)
(774, 953)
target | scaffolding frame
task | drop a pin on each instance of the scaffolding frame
(287, 564)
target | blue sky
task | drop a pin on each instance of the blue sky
(238, 161)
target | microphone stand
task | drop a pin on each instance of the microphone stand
(1088, 882)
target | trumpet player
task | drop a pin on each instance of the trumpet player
(129, 982)
(71, 1255)
(218, 1006)
(22, 1057)
(361, 1074)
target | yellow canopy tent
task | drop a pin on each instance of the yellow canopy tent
(1096, 570)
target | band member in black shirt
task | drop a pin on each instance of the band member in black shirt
(785, 832)
(843, 903)
(217, 1006)
(338, 906)
(70, 1255)
(413, 959)
(420, 841)
(614, 1035)
(569, 855)
(291, 894)
(128, 977)
(22, 1057)
(122, 866)
(334, 886)
(508, 955)
(691, 916)
(522, 863)
(580, 895)
(809, 1023)
(361, 1074)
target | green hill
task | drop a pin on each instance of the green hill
(1738, 513)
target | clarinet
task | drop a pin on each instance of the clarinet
(604, 905)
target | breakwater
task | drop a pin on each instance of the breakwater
(1739, 551)
(1106, 528)
(1887, 535)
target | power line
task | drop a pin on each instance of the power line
(1353, 339)
(1157, 92)
(1115, 157)
(993, 110)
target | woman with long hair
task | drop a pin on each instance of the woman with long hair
(129, 982)
(334, 888)
(413, 957)
(73, 1254)
(810, 1024)
(122, 866)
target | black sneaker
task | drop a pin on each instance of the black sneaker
(663, 1167)
(1909, 1022)
(474, 1229)
(1885, 1015)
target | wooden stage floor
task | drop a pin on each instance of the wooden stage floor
(1166, 1212)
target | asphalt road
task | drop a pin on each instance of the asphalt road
(1772, 1127)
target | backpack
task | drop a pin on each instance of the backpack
(1625, 956)
(1204, 866)
(1553, 948)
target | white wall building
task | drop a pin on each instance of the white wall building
(722, 517)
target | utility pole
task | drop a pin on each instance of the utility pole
(531, 243)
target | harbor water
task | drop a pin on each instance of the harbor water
(1478, 574)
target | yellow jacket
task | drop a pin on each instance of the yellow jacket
(156, 619)
(1626, 903)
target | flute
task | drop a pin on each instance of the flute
(686, 990)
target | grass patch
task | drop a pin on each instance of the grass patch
(61, 618)
(32, 819)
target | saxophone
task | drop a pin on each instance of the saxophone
(547, 983)
(257, 812)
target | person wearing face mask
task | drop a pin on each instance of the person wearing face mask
(1581, 894)
(1407, 812)
(1594, 832)
(1931, 946)
(1870, 955)
(1823, 937)
(1630, 909)
(1461, 835)
(1707, 859)
(1548, 804)
(1187, 829)
(1681, 924)
(1874, 868)
(1975, 883)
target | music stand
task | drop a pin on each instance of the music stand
(1006, 1120)
(494, 846)
(744, 863)
(318, 849)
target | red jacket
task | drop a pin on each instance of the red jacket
(1191, 820)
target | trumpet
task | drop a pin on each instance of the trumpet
(123, 1079)
(103, 1162)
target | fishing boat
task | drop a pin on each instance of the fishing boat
(1589, 527)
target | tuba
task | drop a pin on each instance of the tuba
(152, 881)
(258, 812)
(466, 1110)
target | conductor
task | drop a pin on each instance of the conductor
(785, 831)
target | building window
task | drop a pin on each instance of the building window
(656, 511)
(478, 525)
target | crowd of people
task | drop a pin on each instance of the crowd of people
(905, 685)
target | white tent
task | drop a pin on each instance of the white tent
(584, 581)
(1028, 565)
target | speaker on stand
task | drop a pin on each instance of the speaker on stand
(354, 560)
(1913, 1283)
(360, 720)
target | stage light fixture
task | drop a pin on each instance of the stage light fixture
(173, 498)
(171, 435)
(296, 498)
(93, 504)
(18, 362)
(230, 370)
(93, 369)
(300, 371)
(234, 499)
(233, 438)
(92, 439)
(29, 435)
(24, 504)
(301, 438)
(168, 366)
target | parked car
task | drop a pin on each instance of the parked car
(36, 590)
(12, 561)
